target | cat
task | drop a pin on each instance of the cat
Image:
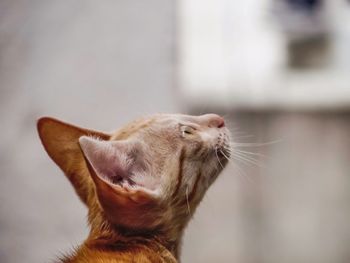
(140, 184)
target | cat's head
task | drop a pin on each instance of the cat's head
(151, 173)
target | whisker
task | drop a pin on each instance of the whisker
(250, 153)
(241, 173)
(222, 152)
(247, 144)
(244, 155)
(246, 159)
(241, 156)
(216, 153)
(242, 136)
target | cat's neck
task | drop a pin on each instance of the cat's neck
(104, 235)
(109, 237)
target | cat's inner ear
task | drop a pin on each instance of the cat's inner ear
(120, 164)
(125, 187)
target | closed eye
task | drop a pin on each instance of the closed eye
(187, 130)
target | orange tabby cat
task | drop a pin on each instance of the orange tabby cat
(140, 184)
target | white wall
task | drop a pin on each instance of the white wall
(234, 54)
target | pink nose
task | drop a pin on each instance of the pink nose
(214, 120)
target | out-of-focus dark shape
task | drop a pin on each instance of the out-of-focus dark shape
(300, 19)
(305, 5)
(306, 27)
(307, 53)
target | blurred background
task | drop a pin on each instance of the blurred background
(278, 70)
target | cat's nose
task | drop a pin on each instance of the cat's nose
(214, 120)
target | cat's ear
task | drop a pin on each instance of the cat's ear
(126, 190)
(61, 141)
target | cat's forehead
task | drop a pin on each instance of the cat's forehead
(164, 122)
(201, 120)
(171, 119)
(145, 123)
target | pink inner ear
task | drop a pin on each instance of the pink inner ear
(109, 159)
(120, 163)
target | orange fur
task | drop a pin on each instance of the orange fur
(143, 218)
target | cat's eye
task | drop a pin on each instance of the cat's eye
(186, 130)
